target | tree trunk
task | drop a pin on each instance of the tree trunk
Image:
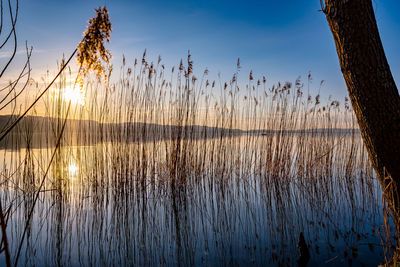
(373, 93)
(371, 87)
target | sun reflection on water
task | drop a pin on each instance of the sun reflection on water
(73, 171)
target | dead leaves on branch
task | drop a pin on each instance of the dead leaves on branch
(92, 54)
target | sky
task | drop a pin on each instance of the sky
(279, 39)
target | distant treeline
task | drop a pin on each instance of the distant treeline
(42, 132)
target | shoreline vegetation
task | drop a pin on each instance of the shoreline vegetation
(165, 189)
(171, 168)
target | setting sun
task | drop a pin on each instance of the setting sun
(74, 94)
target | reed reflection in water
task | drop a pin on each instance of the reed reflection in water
(228, 200)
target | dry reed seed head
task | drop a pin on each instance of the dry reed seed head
(299, 93)
(213, 84)
(123, 60)
(335, 103)
(255, 101)
(173, 69)
(251, 76)
(181, 66)
(135, 62)
(207, 83)
(190, 64)
(258, 83)
(317, 99)
(264, 80)
(62, 63)
(233, 78)
(206, 71)
(159, 59)
(238, 64)
(144, 58)
(194, 79)
(225, 85)
(91, 50)
(151, 71)
(287, 86)
(346, 103)
(298, 83)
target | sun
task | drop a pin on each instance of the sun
(74, 94)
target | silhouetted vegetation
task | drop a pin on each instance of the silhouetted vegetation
(169, 167)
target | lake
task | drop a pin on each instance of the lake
(226, 200)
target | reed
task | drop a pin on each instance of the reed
(164, 168)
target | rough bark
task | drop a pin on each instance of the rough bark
(371, 87)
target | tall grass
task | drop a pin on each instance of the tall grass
(164, 168)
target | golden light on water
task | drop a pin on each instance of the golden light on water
(73, 171)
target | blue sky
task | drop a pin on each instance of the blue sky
(279, 39)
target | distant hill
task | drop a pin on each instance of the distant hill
(39, 132)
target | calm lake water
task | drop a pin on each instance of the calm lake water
(225, 201)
